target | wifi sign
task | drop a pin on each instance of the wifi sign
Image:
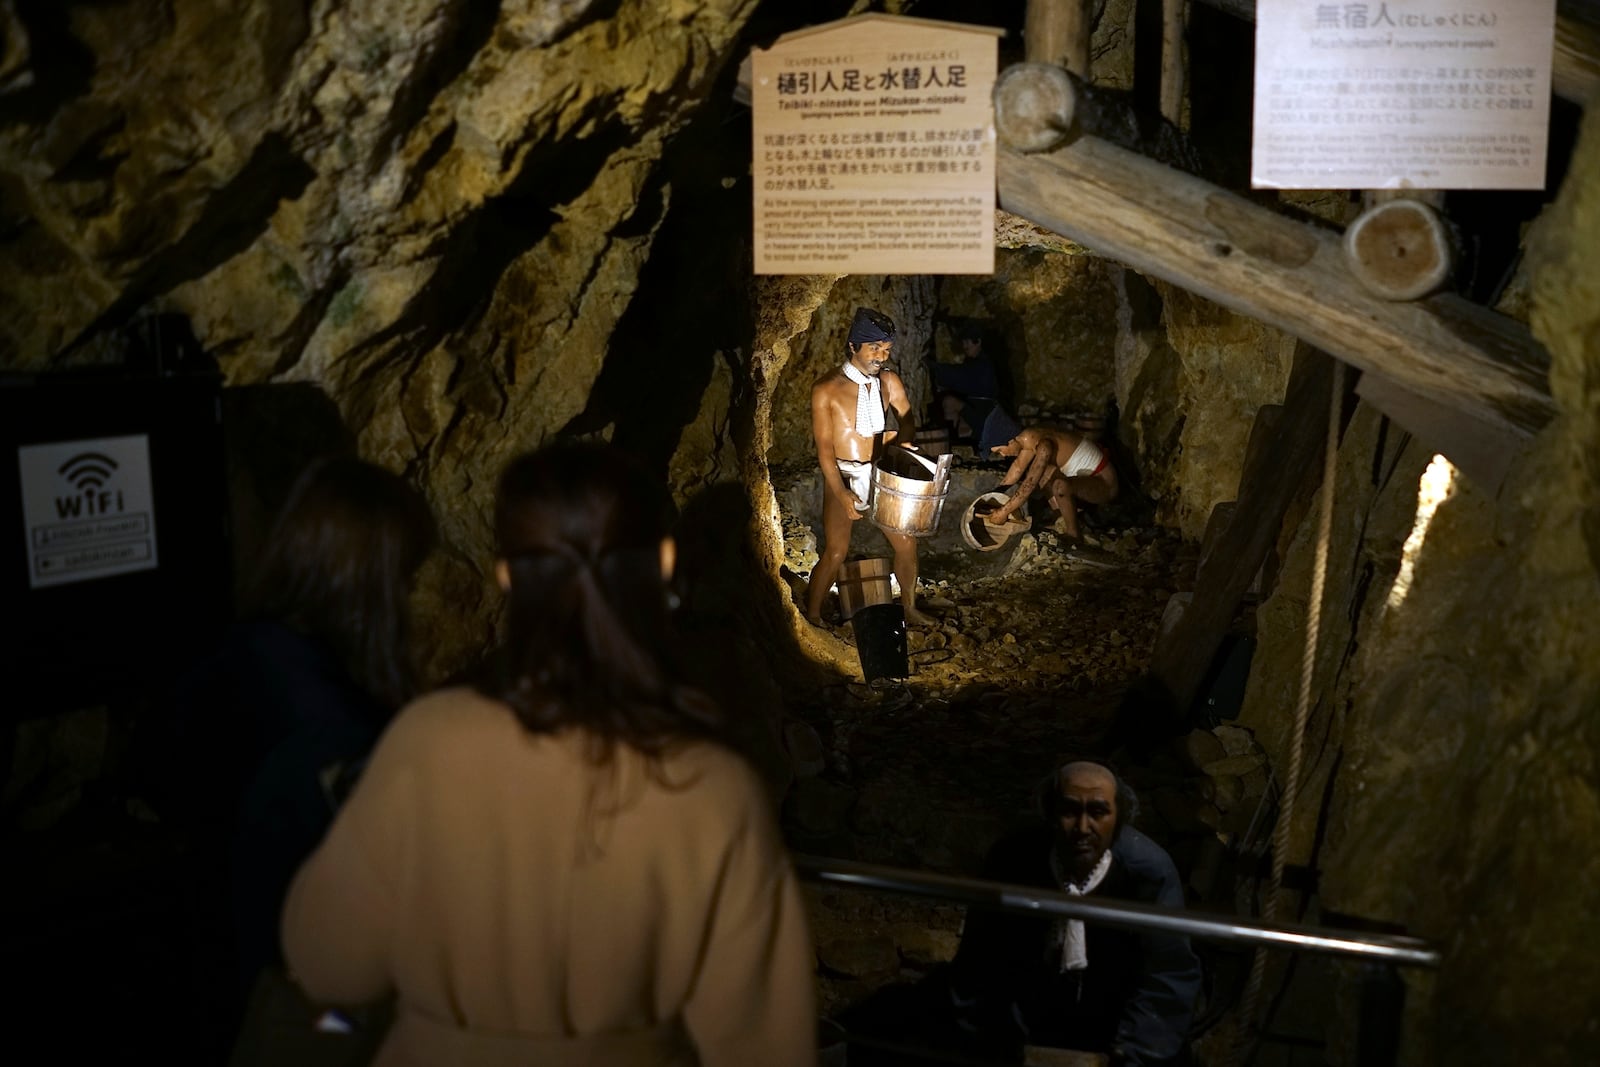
(87, 472)
(89, 508)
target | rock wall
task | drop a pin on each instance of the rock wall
(436, 212)
(908, 300)
(1050, 316)
(1454, 743)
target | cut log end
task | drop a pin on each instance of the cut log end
(1034, 107)
(1399, 250)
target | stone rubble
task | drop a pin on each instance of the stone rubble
(1017, 672)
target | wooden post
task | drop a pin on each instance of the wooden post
(1281, 272)
(1174, 66)
(1399, 248)
(1057, 32)
(1281, 456)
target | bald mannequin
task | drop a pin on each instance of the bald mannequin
(1023, 981)
(1086, 816)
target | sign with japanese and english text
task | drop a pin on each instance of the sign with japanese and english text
(1383, 94)
(88, 509)
(874, 148)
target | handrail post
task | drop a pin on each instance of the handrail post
(1379, 1016)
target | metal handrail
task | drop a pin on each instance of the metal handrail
(1378, 948)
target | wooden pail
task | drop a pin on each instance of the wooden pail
(908, 492)
(864, 583)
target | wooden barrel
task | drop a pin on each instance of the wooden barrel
(864, 583)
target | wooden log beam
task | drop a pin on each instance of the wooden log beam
(1400, 247)
(1057, 32)
(1575, 74)
(1171, 225)
(1482, 452)
(1282, 454)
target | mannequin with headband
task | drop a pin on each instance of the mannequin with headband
(849, 425)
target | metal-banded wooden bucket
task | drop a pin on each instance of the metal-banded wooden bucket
(864, 583)
(908, 492)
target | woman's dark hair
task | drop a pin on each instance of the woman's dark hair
(580, 528)
(338, 567)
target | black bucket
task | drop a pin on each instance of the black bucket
(881, 641)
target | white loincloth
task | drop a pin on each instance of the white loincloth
(1085, 459)
(857, 475)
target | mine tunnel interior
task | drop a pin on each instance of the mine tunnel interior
(598, 288)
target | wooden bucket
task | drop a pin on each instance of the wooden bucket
(908, 492)
(864, 583)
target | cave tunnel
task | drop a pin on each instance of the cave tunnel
(435, 236)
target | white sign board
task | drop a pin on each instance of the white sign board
(874, 148)
(1384, 94)
(88, 509)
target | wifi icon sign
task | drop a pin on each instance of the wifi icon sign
(88, 470)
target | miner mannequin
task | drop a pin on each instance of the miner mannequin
(847, 422)
(1068, 466)
(1020, 980)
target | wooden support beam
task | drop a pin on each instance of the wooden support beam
(1575, 74)
(1400, 247)
(1174, 67)
(1057, 32)
(1482, 452)
(1282, 453)
(1171, 225)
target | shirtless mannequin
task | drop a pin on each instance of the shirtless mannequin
(844, 452)
(1057, 460)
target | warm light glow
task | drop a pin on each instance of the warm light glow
(1435, 487)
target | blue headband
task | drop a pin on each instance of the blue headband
(870, 326)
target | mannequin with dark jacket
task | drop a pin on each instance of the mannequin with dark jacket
(1018, 980)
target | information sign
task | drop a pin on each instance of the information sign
(88, 509)
(874, 148)
(1384, 94)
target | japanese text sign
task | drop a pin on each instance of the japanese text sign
(1381, 94)
(874, 149)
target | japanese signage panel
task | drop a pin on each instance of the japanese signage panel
(1378, 94)
(88, 508)
(874, 149)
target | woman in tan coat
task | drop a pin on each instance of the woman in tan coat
(572, 869)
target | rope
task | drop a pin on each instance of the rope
(1243, 1035)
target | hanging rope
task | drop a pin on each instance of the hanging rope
(1244, 1037)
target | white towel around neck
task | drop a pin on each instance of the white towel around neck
(869, 408)
(1074, 950)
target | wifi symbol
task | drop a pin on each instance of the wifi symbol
(88, 470)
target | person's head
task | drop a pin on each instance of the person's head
(871, 341)
(1088, 804)
(585, 556)
(338, 567)
(971, 338)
